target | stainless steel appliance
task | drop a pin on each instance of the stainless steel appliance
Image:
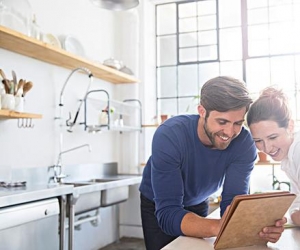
(30, 226)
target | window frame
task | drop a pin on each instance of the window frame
(245, 56)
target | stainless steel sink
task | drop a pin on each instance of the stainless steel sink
(103, 180)
(89, 196)
(76, 184)
(113, 195)
(85, 200)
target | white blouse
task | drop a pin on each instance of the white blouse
(291, 166)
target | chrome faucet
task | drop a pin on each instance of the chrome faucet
(58, 175)
(69, 123)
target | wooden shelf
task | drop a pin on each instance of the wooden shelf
(22, 44)
(150, 125)
(14, 115)
(268, 163)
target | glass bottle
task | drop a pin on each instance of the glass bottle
(35, 31)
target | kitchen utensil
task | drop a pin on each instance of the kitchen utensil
(3, 80)
(2, 74)
(11, 87)
(113, 63)
(6, 84)
(19, 91)
(13, 184)
(27, 86)
(14, 75)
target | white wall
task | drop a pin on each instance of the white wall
(94, 27)
(103, 34)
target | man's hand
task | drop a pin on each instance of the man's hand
(273, 233)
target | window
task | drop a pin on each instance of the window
(254, 40)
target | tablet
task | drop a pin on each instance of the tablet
(248, 215)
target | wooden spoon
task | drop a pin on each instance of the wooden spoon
(6, 84)
(26, 87)
(5, 81)
(19, 91)
(2, 74)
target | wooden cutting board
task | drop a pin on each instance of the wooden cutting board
(247, 216)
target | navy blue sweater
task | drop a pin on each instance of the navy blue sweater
(183, 172)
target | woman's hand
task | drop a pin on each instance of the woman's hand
(295, 216)
(273, 233)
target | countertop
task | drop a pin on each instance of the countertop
(17, 195)
(103, 182)
(31, 192)
(290, 240)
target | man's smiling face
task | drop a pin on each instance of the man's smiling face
(218, 129)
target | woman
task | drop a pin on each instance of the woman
(272, 129)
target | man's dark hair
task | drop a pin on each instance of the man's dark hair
(223, 94)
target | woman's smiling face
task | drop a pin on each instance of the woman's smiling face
(272, 139)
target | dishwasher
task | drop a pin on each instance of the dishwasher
(30, 226)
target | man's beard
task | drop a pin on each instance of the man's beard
(212, 137)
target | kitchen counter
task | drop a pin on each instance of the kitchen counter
(18, 195)
(102, 183)
(86, 187)
(290, 240)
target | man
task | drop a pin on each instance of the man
(192, 157)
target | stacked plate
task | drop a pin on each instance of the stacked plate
(51, 39)
(73, 45)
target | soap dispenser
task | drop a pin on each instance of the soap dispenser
(103, 118)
